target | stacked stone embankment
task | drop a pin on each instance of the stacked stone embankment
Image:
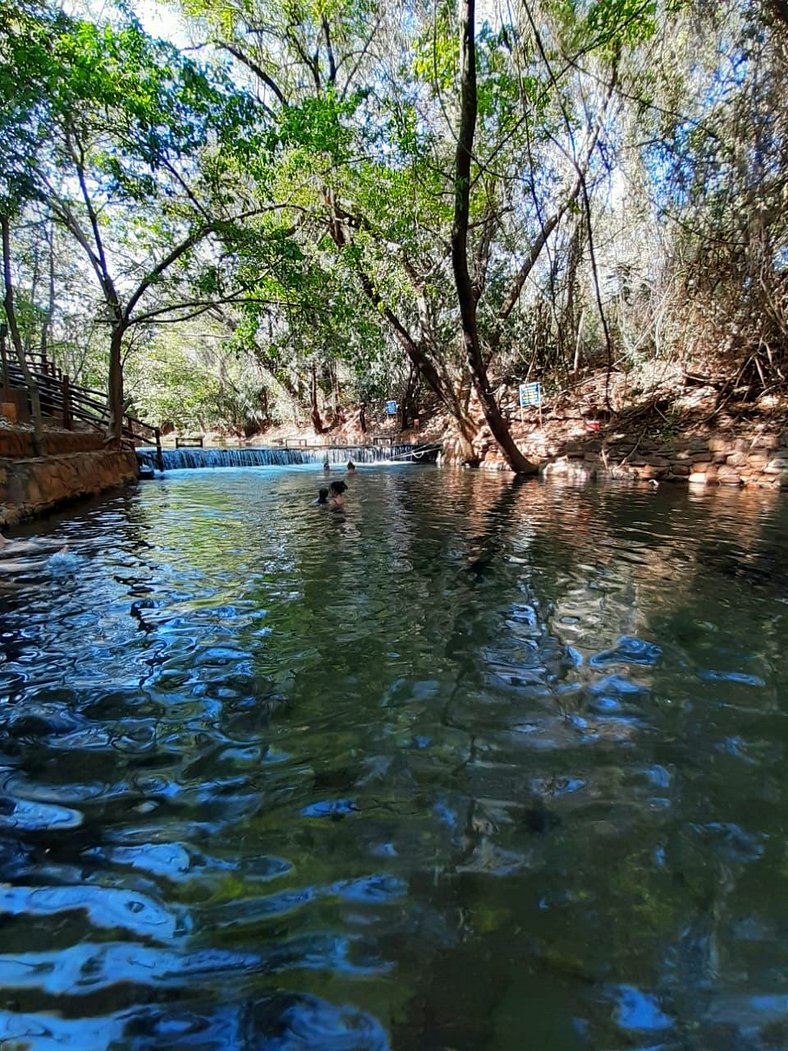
(757, 457)
(16, 444)
(77, 464)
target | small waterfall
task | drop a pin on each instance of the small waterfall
(179, 459)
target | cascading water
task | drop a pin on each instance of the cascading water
(180, 459)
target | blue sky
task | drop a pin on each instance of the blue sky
(159, 19)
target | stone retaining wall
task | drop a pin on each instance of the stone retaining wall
(28, 487)
(758, 458)
(18, 443)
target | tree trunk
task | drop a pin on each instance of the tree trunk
(459, 246)
(406, 412)
(116, 405)
(16, 339)
(314, 410)
(341, 234)
(46, 323)
(334, 391)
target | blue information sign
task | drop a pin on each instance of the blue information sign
(391, 408)
(530, 394)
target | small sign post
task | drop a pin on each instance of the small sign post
(531, 394)
(391, 408)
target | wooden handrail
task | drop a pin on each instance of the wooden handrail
(76, 402)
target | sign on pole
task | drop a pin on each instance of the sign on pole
(530, 394)
(391, 408)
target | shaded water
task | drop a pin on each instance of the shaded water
(475, 765)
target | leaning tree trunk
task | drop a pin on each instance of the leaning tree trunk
(466, 428)
(459, 246)
(46, 323)
(16, 339)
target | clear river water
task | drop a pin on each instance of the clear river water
(472, 766)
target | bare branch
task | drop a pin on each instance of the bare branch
(255, 68)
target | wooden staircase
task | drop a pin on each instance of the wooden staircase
(64, 402)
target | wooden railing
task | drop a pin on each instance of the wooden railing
(67, 401)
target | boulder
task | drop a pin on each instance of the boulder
(698, 445)
(769, 441)
(719, 444)
(728, 476)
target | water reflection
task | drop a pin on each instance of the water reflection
(479, 764)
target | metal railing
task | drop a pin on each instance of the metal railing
(324, 441)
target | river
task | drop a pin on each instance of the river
(475, 765)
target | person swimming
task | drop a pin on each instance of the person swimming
(10, 548)
(322, 498)
(61, 560)
(351, 467)
(337, 495)
(326, 466)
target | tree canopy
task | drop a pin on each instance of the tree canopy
(333, 201)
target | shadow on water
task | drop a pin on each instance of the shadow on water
(476, 764)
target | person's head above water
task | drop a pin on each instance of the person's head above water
(322, 496)
(351, 467)
(326, 465)
(337, 488)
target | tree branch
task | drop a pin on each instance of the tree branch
(361, 56)
(332, 66)
(530, 260)
(255, 68)
(107, 283)
(236, 297)
(153, 275)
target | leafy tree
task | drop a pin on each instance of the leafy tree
(355, 199)
(131, 137)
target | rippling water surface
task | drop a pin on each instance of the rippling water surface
(475, 765)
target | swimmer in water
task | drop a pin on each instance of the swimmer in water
(326, 466)
(337, 496)
(16, 565)
(61, 559)
(322, 498)
(12, 548)
(351, 467)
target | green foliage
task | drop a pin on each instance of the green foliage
(613, 24)
(177, 381)
(306, 162)
(316, 127)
